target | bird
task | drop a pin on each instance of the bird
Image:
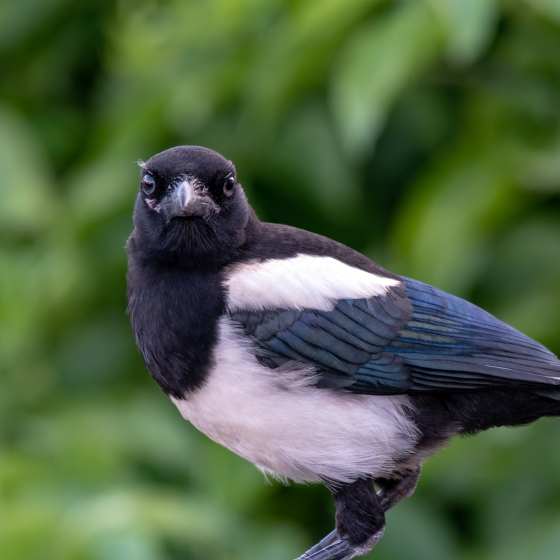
(305, 357)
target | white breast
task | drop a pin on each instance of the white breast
(279, 421)
(301, 282)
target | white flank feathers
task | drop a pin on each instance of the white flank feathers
(302, 282)
(277, 420)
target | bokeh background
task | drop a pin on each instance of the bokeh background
(425, 134)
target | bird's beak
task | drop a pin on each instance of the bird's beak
(186, 201)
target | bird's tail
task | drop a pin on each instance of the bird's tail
(553, 394)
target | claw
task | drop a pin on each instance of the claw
(337, 550)
(333, 548)
(329, 539)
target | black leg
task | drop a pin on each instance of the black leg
(360, 516)
(395, 490)
(360, 523)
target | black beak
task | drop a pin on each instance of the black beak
(186, 201)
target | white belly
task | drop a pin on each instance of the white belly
(279, 421)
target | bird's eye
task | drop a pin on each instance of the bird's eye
(148, 184)
(228, 186)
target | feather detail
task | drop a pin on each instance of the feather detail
(300, 282)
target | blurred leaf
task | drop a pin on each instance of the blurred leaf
(444, 226)
(20, 18)
(428, 537)
(527, 296)
(550, 8)
(102, 189)
(28, 200)
(297, 52)
(470, 25)
(307, 148)
(374, 67)
(541, 169)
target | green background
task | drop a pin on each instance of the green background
(425, 134)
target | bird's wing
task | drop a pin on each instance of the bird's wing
(411, 338)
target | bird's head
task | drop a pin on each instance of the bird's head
(190, 208)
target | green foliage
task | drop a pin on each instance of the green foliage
(425, 133)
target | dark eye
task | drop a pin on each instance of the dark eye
(228, 186)
(148, 184)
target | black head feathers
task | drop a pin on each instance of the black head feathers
(209, 166)
(190, 208)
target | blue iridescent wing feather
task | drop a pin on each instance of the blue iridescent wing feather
(414, 338)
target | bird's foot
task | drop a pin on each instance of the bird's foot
(331, 538)
(332, 547)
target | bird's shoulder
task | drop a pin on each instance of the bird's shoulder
(286, 268)
(279, 242)
(305, 298)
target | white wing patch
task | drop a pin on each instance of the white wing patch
(284, 425)
(301, 282)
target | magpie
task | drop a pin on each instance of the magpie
(305, 357)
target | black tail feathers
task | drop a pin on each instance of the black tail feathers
(553, 394)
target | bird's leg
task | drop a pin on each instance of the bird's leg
(360, 523)
(394, 490)
(360, 520)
